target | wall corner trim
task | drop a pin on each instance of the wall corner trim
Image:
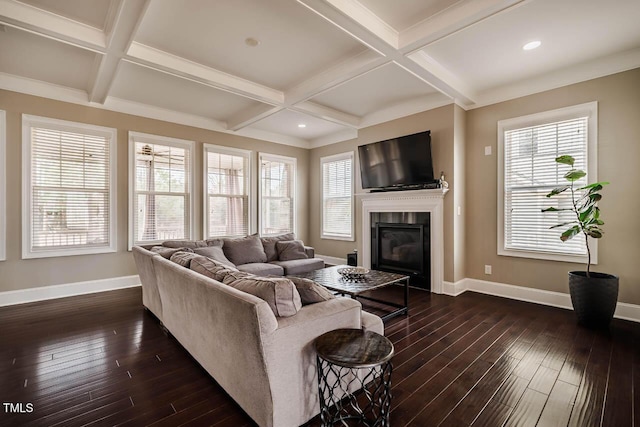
(67, 290)
(454, 289)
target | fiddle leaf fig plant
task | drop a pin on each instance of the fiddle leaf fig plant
(584, 205)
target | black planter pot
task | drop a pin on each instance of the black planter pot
(594, 298)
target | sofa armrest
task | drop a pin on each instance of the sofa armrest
(311, 252)
(291, 357)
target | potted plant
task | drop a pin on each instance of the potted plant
(594, 295)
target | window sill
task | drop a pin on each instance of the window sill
(52, 253)
(345, 239)
(548, 256)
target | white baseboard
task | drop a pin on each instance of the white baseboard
(332, 260)
(67, 290)
(454, 289)
(555, 299)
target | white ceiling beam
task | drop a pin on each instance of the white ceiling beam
(341, 18)
(367, 19)
(327, 113)
(56, 27)
(175, 65)
(251, 115)
(335, 76)
(127, 18)
(451, 20)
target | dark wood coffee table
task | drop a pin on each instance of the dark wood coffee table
(332, 280)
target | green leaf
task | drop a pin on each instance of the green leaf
(561, 225)
(595, 184)
(552, 209)
(568, 234)
(565, 160)
(584, 215)
(558, 190)
(596, 233)
(574, 174)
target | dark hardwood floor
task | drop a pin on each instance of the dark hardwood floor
(475, 360)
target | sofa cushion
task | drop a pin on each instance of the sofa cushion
(262, 269)
(192, 244)
(310, 291)
(279, 292)
(168, 252)
(215, 253)
(244, 250)
(235, 275)
(299, 266)
(210, 268)
(290, 250)
(269, 244)
(183, 258)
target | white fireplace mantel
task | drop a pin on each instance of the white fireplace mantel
(431, 201)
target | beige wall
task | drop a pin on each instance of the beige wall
(441, 123)
(16, 273)
(618, 99)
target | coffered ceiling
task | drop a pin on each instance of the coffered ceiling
(261, 68)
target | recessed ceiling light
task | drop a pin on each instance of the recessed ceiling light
(302, 125)
(251, 42)
(532, 45)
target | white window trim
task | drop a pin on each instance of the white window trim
(294, 189)
(3, 186)
(164, 140)
(29, 121)
(249, 184)
(589, 109)
(328, 159)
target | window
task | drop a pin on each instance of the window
(337, 196)
(527, 147)
(160, 178)
(69, 205)
(277, 194)
(227, 186)
(3, 187)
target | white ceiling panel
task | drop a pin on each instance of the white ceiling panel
(490, 53)
(294, 43)
(90, 12)
(378, 89)
(147, 86)
(286, 122)
(28, 55)
(402, 15)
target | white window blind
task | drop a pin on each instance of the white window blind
(277, 194)
(530, 172)
(161, 196)
(69, 177)
(227, 199)
(337, 196)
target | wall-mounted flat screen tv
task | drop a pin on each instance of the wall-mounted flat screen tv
(398, 162)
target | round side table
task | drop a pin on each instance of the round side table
(350, 360)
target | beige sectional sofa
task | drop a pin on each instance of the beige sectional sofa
(265, 363)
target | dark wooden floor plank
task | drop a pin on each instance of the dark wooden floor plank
(478, 360)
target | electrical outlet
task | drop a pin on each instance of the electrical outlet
(487, 150)
(487, 269)
(459, 210)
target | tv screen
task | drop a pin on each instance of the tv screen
(397, 162)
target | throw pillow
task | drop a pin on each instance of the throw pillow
(310, 291)
(269, 245)
(192, 244)
(244, 250)
(168, 252)
(215, 253)
(210, 268)
(183, 258)
(291, 250)
(279, 292)
(235, 275)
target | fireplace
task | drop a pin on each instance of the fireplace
(402, 247)
(422, 208)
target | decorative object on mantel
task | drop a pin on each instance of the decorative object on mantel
(353, 273)
(594, 295)
(443, 183)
